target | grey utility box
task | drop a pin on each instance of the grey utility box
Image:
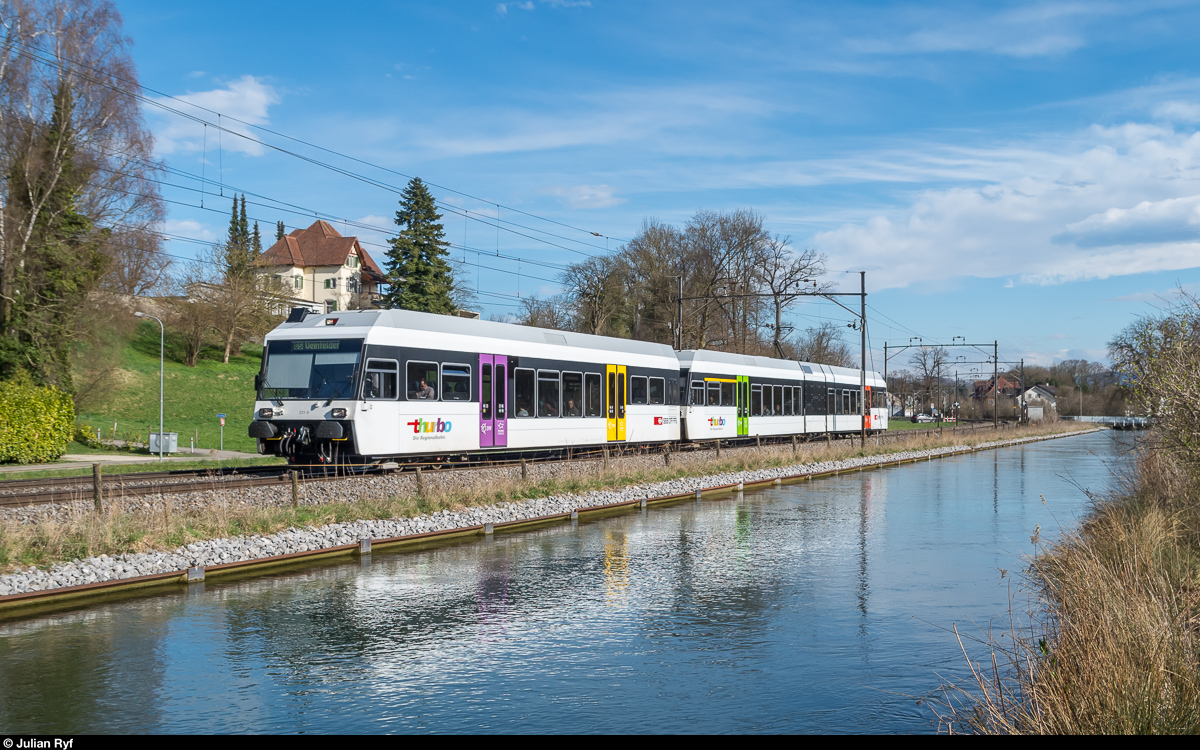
(170, 442)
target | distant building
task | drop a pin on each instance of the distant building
(1008, 387)
(323, 270)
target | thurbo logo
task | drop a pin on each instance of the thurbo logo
(716, 421)
(420, 426)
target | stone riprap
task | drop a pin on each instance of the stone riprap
(239, 549)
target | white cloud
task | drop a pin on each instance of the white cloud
(247, 99)
(1170, 220)
(592, 118)
(1107, 202)
(1178, 111)
(586, 196)
(385, 224)
(189, 228)
(1034, 30)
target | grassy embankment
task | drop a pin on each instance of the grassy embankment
(86, 534)
(192, 396)
(1117, 648)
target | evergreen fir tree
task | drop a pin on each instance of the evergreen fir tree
(279, 233)
(256, 242)
(239, 253)
(417, 269)
(243, 226)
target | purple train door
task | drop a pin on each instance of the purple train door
(493, 397)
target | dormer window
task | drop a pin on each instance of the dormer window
(352, 261)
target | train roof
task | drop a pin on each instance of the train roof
(697, 358)
(449, 324)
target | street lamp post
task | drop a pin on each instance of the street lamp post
(162, 335)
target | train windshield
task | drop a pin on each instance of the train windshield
(322, 369)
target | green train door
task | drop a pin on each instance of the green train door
(743, 405)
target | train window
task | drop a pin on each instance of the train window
(878, 398)
(595, 394)
(501, 391)
(756, 401)
(525, 392)
(778, 401)
(456, 382)
(697, 393)
(637, 389)
(727, 398)
(787, 401)
(422, 380)
(658, 388)
(548, 388)
(845, 402)
(798, 398)
(382, 380)
(572, 394)
(485, 391)
(714, 394)
(767, 406)
(831, 406)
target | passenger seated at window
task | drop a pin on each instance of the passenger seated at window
(571, 410)
(424, 390)
(522, 408)
(546, 409)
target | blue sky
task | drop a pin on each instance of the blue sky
(1028, 172)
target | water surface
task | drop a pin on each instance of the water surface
(819, 607)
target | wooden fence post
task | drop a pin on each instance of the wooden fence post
(97, 489)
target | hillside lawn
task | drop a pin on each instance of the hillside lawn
(193, 396)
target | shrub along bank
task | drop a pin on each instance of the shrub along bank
(37, 423)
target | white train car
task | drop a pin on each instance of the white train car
(729, 396)
(378, 384)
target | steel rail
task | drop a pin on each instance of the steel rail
(31, 492)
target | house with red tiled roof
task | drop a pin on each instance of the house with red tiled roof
(1008, 387)
(320, 266)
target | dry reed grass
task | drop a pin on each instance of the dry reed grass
(83, 533)
(1116, 647)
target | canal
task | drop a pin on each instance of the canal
(818, 607)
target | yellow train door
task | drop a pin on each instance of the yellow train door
(622, 400)
(615, 399)
(610, 399)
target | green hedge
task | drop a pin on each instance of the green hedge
(35, 423)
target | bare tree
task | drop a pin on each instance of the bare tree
(824, 345)
(76, 158)
(552, 312)
(594, 288)
(785, 274)
(928, 362)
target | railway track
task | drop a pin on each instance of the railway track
(27, 492)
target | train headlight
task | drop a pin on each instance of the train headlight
(338, 413)
(266, 412)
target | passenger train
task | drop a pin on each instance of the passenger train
(372, 386)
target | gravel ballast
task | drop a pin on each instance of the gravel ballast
(292, 540)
